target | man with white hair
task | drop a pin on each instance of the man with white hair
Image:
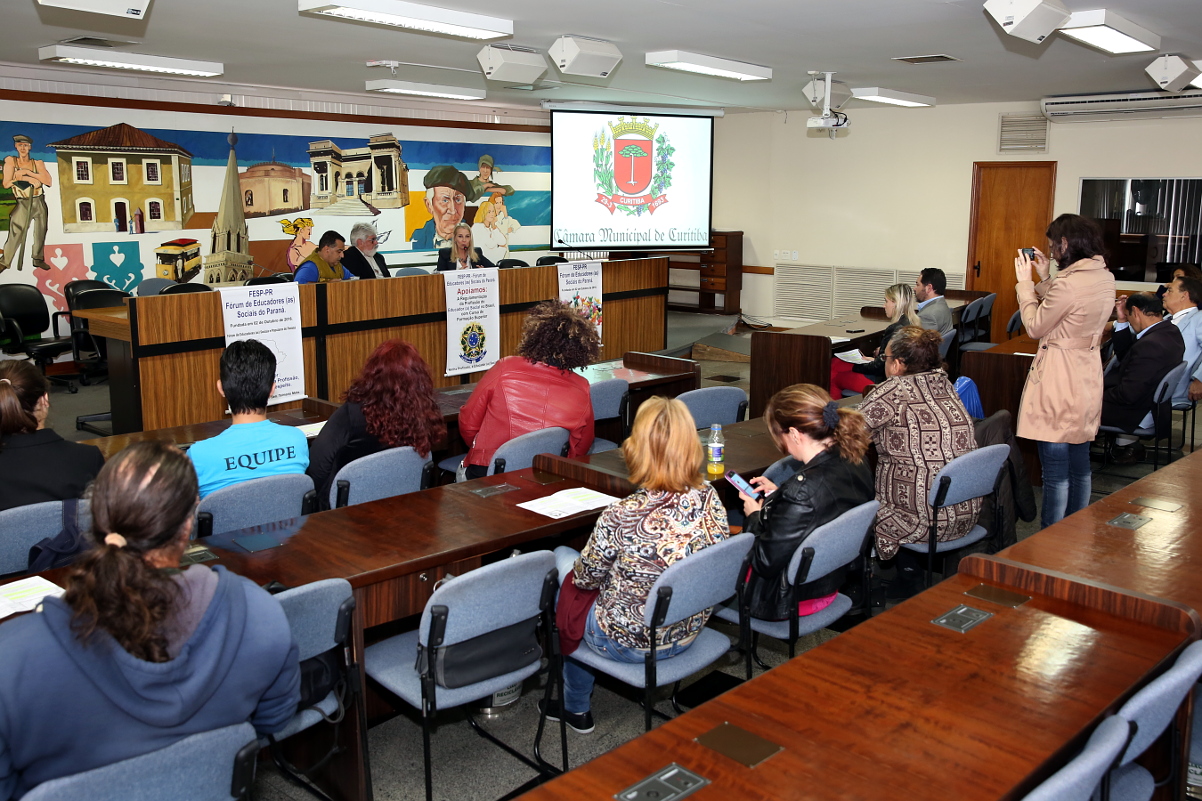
(362, 259)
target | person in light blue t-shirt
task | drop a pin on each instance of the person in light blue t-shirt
(253, 446)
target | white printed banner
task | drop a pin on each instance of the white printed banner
(580, 288)
(270, 314)
(473, 320)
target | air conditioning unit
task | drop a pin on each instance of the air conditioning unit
(1127, 106)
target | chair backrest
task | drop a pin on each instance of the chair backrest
(1182, 390)
(1015, 324)
(544, 260)
(26, 306)
(1078, 780)
(23, 527)
(946, 344)
(73, 288)
(390, 472)
(255, 502)
(403, 271)
(835, 544)
(607, 397)
(214, 765)
(970, 312)
(507, 263)
(274, 278)
(709, 405)
(1154, 706)
(316, 614)
(782, 470)
(700, 580)
(519, 452)
(107, 298)
(153, 286)
(1162, 398)
(490, 597)
(972, 475)
(183, 289)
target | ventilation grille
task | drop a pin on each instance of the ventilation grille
(812, 293)
(1022, 133)
(855, 289)
(936, 58)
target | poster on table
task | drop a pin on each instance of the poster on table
(580, 288)
(270, 314)
(473, 320)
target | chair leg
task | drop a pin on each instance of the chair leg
(675, 705)
(426, 756)
(755, 653)
(647, 703)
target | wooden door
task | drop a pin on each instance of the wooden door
(1011, 209)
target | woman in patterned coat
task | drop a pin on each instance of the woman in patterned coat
(918, 425)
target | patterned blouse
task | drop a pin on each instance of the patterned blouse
(635, 540)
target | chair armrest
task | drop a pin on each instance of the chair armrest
(429, 471)
(204, 524)
(309, 502)
(498, 466)
(12, 329)
(343, 494)
(54, 320)
(741, 414)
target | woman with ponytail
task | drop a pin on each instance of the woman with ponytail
(832, 477)
(36, 464)
(918, 425)
(139, 654)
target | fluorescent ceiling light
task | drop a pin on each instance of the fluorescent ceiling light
(414, 16)
(1108, 31)
(708, 65)
(878, 95)
(115, 59)
(425, 90)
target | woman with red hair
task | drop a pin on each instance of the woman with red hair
(390, 405)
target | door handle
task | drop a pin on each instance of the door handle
(977, 267)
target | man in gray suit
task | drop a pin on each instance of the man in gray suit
(933, 312)
(1182, 299)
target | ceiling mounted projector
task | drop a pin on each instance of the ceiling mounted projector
(130, 9)
(511, 64)
(1172, 73)
(1033, 20)
(815, 92)
(579, 55)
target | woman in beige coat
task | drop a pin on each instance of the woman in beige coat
(1062, 400)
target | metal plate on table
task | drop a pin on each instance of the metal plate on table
(962, 618)
(1129, 520)
(739, 744)
(543, 477)
(667, 784)
(495, 489)
(998, 595)
(1162, 504)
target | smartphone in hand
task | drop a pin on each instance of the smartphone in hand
(741, 485)
(1029, 253)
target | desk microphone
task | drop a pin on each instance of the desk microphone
(584, 253)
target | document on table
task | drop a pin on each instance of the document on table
(25, 595)
(311, 430)
(853, 357)
(566, 503)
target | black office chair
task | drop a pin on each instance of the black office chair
(276, 278)
(183, 289)
(23, 313)
(507, 263)
(545, 260)
(91, 354)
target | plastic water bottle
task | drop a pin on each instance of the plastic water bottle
(714, 449)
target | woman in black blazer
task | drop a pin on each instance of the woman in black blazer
(467, 255)
(36, 464)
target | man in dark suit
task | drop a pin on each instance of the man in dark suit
(362, 259)
(1147, 349)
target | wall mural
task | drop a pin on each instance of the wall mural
(121, 202)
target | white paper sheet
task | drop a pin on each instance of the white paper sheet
(566, 503)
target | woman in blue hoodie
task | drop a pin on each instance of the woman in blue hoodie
(139, 654)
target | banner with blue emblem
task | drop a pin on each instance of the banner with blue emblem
(473, 320)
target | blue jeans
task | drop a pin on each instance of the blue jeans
(1066, 479)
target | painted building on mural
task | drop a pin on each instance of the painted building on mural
(113, 178)
(272, 188)
(375, 174)
(229, 258)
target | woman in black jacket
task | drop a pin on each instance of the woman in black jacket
(463, 254)
(830, 443)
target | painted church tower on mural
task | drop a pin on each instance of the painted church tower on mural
(229, 260)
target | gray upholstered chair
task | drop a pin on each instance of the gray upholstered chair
(829, 547)
(690, 585)
(610, 399)
(153, 286)
(709, 405)
(515, 596)
(1162, 413)
(1014, 325)
(390, 472)
(1079, 779)
(255, 502)
(972, 475)
(401, 272)
(519, 452)
(22, 527)
(216, 765)
(184, 289)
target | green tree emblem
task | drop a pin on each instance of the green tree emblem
(633, 152)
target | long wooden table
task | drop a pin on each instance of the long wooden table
(160, 344)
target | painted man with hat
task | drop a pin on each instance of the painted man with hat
(27, 179)
(446, 195)
(483, 184)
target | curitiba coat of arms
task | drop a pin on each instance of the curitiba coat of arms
(632, 166)
(472, 343)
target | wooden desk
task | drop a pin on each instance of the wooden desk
(900, 708)
(162, 343)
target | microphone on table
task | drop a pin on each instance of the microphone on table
(584, 253)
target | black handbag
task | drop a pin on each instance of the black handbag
(61, 549)
(481, 658)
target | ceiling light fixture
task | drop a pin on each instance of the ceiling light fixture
(414, 16)
(425, 90)
(1108, 31)
(114, 59)
(891, 96)
(707, 65)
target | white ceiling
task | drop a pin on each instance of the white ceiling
(266, 42)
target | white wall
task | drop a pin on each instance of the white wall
(894, 190)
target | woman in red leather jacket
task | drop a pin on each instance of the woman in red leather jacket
(534, 389)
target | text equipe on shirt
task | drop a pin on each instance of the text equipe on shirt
(253, 461)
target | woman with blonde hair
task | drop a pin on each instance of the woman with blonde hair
(830, 477)
(463, 253)
(674, 513)
(902, 308)
(301, 248)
